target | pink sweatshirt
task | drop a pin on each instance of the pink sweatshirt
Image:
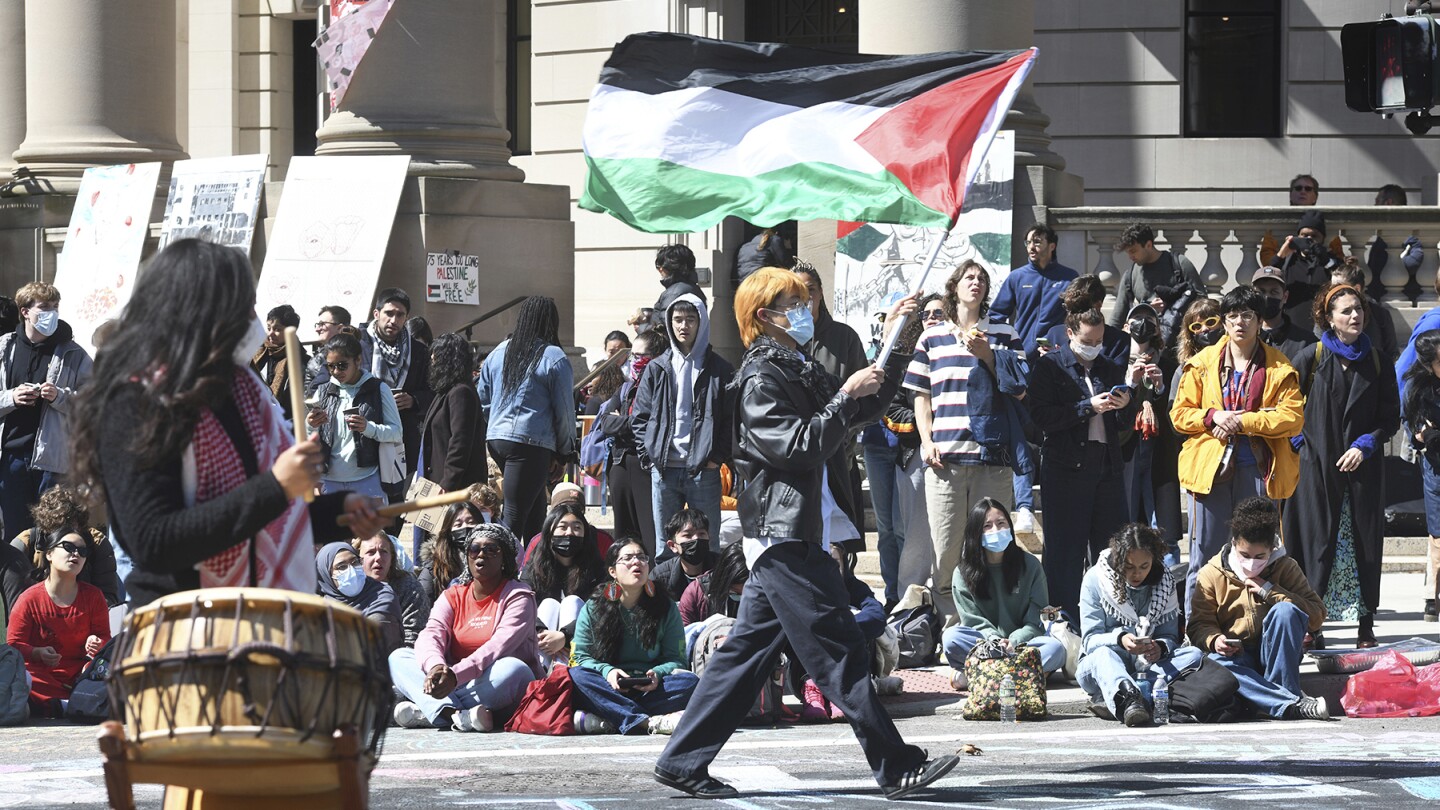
(514, 635)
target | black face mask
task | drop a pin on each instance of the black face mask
(563, 544)
(1210, 338)
(459, 537)
(1272, 308)
(693, 552)
(1143, 330)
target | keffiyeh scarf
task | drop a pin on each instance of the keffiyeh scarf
(1115, 599)
(389, 364)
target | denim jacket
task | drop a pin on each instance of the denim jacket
(1099, 628)
(995, 419)
(540, 411)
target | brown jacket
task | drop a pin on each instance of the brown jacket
(1223, 606)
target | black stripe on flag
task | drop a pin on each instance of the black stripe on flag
(658, 62)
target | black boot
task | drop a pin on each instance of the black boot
(1130, 706)
(1365, 636)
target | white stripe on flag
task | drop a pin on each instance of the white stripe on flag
(722, 132)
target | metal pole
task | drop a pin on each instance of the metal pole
(894, 335)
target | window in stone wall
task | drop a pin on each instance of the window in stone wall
(1232, 82)
(517, 75)
(830, 25)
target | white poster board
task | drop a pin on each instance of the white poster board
(214, 199)
(452, 278)
(330, 234)
(878, 264)
(96, 271)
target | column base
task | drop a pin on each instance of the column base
(455, 151)
(58, 168)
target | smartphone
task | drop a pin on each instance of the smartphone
(352, 411)
(1043, 343)
(1231, 642)
(634, 682)
(1120, 389)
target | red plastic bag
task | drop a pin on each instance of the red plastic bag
(1393, 688)
(548, 706)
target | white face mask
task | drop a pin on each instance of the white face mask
(249, 344)
(351, 581)
(1246, 567)
(47, 321)
(1084, 352)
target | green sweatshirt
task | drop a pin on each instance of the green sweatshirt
(1009, 614)
(665, 657)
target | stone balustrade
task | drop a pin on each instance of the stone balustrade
(1224, 243)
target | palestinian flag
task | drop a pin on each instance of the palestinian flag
(683, 131)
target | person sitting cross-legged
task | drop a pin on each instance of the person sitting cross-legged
(629, 652)
(478, 651)
(1251, 610)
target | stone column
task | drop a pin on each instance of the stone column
(12, 84)
(432, 86)
(99, 87)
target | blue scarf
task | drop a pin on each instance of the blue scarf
(1352, 352)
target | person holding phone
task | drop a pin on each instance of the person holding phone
(1251, 609)
(1077, 400)
(356, 413)
(629, 653)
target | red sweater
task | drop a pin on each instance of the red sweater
(36, 621)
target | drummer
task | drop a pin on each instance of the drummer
(189, 452)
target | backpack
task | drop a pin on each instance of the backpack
(90, 699)
(1207, 693)
(767, 704)
(14, 687)
(918, 632)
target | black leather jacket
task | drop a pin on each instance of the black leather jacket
(784, 435)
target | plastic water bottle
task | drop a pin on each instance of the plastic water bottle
(1161, 715)
(1007, 700)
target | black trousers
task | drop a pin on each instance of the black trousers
(630, 497)
(525, 469)
(1088, 505)
(795, 593)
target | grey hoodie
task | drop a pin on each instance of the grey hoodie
(686, 367)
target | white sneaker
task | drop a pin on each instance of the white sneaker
(473, 719)
(958, 681)
(1024, 521)
(408, 715)
(665, 723)
(889, 685)
(587, 723)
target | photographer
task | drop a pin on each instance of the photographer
(1306, 261)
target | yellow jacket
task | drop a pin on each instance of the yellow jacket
(1282, 416)
(1224, 606)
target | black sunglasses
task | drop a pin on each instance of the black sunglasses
(343, 365)
(483, 550)
(70, 548)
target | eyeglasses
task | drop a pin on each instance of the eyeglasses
(1243, 316)
(934, 314)
(1204, 326)
(322, 325)
(626, 559)
(343, 365)
(483, 550)
(70, 548)
(1302, 187)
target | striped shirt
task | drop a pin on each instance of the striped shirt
(941, 368)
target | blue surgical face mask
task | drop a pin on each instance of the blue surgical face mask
(998, 540)
(802, 324)
(735, 597)
(351, 581)
(47, 321)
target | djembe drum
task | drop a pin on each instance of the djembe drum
(239, 693)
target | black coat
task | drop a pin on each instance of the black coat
(785, 436)
(1060, 405)
(417, 385)
(838, 347)
(454, 433)
(652, 419)
(1287, 337)
(1340, 406)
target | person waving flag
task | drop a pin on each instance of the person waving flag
(683, 131)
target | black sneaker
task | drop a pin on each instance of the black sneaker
(929, 772)
(1308, 708)
(701, 787)
(1432, 613)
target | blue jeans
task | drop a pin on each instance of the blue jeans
(958, 640)
(1103, 671)
(880, 469)
(672, 488)
(369, 486)
(499, 687)
(1024, 491)
(631, 710)
(1278, 657)
(20, 487)
(1210, 519)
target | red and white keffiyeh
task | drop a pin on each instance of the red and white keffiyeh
(284, 549)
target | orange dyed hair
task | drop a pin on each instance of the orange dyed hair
(759, 291)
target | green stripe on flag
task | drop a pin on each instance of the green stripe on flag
(658, 196)
(860, 243)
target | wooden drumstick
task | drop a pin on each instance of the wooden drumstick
(458, 496)
(297, 389)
